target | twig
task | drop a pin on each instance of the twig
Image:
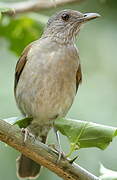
(34, 5)
(42, 154)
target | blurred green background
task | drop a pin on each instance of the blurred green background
(96, 100)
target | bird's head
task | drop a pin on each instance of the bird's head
(65, 25)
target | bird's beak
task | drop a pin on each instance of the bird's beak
(90, 16)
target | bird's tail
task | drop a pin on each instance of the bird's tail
(27, 168)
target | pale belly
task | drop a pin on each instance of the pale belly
(47, 85)
(47, 98)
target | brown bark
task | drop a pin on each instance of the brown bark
(34, 5)
(42, 154)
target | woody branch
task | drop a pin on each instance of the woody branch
(42, 154)
(33, 5)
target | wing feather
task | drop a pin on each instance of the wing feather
(78, 77)
(20, 65)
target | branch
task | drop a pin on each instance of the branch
(34, 5)
(42, 154)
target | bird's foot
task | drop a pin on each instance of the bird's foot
(61, 154)
(52, 146)
(58, 151)
(27, 134)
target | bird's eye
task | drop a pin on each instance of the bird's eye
(65, 17)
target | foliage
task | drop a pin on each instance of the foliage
(22, 123)
(20, 32)
(81, 134)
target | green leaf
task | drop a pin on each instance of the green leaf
(20, 32)
(22, 123)
(83, 134)
(107, 174)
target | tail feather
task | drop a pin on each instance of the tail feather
(27, 168)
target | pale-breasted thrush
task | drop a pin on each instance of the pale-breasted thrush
(47, 77)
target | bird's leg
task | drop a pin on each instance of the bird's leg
(59, 145)
(26, 134)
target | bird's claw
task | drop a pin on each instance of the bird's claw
(60, 153)
(26, 133)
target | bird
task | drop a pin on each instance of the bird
(47, 76)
